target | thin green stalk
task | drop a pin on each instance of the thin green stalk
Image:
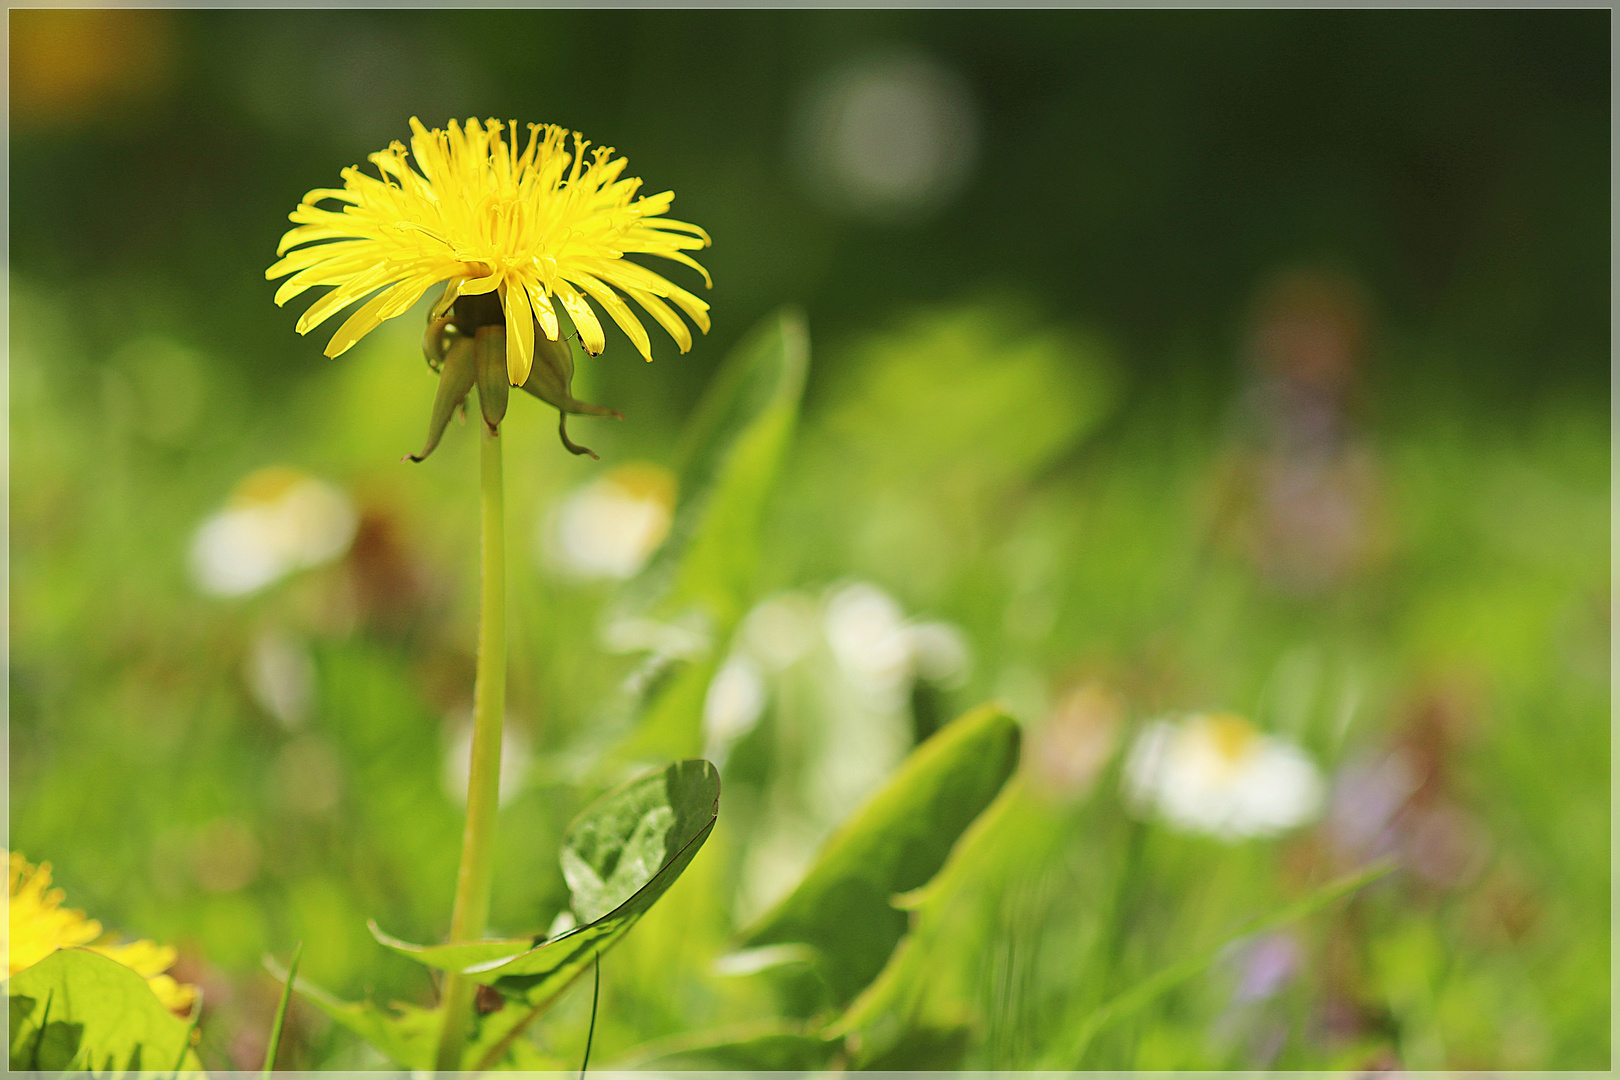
(1121, 1006)
(471, 911)
(275, 1024)
(191, 1031)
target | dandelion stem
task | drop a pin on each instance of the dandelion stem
(471, 911)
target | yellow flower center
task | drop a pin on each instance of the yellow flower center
(1234, 737)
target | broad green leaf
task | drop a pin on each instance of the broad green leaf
(886, 1022)
(843, 908)
(937, 420)
(766, 1046)
(79, 1010)
(1069, 1056)
(619, 856)
(409, 1034)
(921, 1047)
(731, 454)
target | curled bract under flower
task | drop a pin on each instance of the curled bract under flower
(466, 344)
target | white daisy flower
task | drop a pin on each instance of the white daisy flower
(733, 705)
(609, 527)
(278, 520)
(1215, 773)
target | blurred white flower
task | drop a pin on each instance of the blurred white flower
(688, 635)
(515, 759)
(940, 654)
(889, 138)
(734, 703)
(840, 673)
(780, 630)
(608, 527)
(277, 520)
(281, 677)
(868, 635)
(1214, 773)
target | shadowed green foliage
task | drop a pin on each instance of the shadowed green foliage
(843, 908)
(731, 452)
(1063, 412)
(764, 1046)
(620, 854)
(79, 1010)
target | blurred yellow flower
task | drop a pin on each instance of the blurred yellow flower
(478, 214)
(37, 925)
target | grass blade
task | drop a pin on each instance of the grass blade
(590, 1035)
(1143, 993)
(191, 1032)
(281, 1011)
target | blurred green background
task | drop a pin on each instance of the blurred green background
(1178, 361)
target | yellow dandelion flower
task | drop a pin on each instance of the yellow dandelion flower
(37, 925)
(475, 212)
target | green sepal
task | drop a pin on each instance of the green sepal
(551, 379)
(79, 1010)
(455, 380)
(619, 856)
(489, 365)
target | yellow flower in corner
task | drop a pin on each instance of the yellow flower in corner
(547, 223)
(37, 925)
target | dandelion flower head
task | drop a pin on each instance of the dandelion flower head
(37, 925)
(547, 223)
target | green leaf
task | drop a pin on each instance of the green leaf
(731, 454)
(844, 906)
(619, 856)
(1155, 986)
(409, 1034)
(77, 1009)
(763, 1046)
(888, 1024)
(920, 1048)
(281, 1012)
